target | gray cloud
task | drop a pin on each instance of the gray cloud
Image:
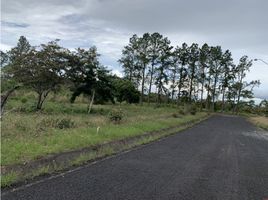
(238, 25)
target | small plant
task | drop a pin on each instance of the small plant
(193, 110)
(24, 100)
(56, 123)
(116, 116)
(64, 123)
(175, 115)
(181, 112)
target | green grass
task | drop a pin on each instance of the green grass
(24, 144)
(28, 135)
(8, 179)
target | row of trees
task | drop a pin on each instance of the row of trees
(47, 67)
(186, 73)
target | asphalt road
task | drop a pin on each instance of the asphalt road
(221, 158)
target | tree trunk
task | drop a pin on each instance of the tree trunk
(4, 98)
(151, 80)
(239, 92)
(234, 104)
(223, 101)
(202, 88)
(41, 98)
(214, 93)
(208, 93)
(173, 83)
(191, 85)
(142, 85)
(91, 102)
(179, 86)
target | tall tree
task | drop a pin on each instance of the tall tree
(183, 54)
(244, 89)
(203, 66)
(174, 72)
(161, 77)
(39, 69)
(9, 59)
(227, 74)
(216, 56)
(192, 70)
(89, 76)
(156, 43)
(130, 63)
(143, 48)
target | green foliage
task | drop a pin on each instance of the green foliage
(116, 116)
(193, 110)
(24, 100)
(60, 123)
(124, 90)
(88, 76)
(8, 179)
(37, 68)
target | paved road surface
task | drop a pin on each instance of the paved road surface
(221, 158)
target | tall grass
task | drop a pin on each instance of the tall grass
(29, 135)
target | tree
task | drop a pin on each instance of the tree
(216, 56)
(137, 51)
(227, 74)
(174, 71)
(161, 73)
(8, 59)
(192, 60)
(143, 45)
(124, 90)
(183, 54)
(242, 68)
(39, 69)
(129, 61)
(203, 66)
(156, 43)
(89, 76)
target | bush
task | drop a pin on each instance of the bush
(193, 110)
(64, 123)
(116, 116)
(24, 100)
(181, 112)
(175, 115)
(188, 108)
(56, 123)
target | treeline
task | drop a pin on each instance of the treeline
(188, 73)
(46, 68)
(154, 71)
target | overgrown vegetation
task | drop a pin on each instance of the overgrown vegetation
(260, 121)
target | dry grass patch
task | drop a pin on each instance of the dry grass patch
(260, 121)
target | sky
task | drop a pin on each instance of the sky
(238, 25)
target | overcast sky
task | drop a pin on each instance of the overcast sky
(238, 25)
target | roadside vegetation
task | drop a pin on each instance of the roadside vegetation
(54, 100)
(260, 121)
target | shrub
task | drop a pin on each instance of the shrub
(56, 123)
(116, 116)
(175, 115)
(24, 100)
(64, 123)
(193, 110)
(181, 112)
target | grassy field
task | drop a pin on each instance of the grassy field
(63, 127)
(260, 121)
